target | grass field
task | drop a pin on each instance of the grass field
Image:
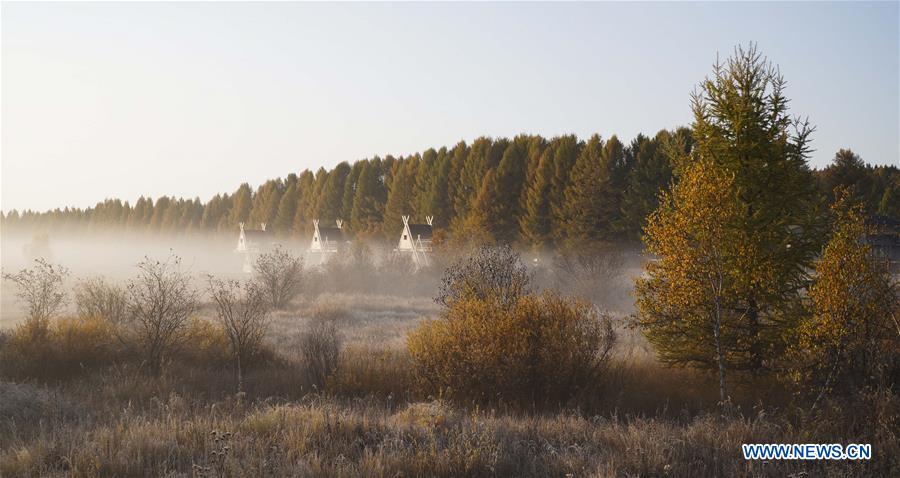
(372, 420)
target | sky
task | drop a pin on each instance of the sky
(120, 100)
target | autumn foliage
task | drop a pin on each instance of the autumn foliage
(543, 349)
(851, 339)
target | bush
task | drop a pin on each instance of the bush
(160, 302)
(98, 298)
(495, 274)
(243, 313)
(205, 343)
(41, 288)
(371, 371)
(543, 349)
(320, 351)
(280, 276)
(59, 350)
(73, 347)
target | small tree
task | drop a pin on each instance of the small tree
(686, 303)
(851, 338)
(98, 299)
(42, 289)
(243, 311)
(160, 302)
(280, 276)
(491, 273)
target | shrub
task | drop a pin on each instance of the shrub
(205, 343)
(59, 350)
(372, 371)
(320, 351)
(160, 301)
(243, 312)
(95, 297)
(280, 275)
(492, 273)
(542, 349)
(87, 343)
(29, 351)
(41, 288)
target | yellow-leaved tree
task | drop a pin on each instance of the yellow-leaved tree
(688, 299)
(852, 338)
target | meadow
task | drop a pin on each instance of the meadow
(88, 408)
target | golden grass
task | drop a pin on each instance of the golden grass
(373, 420)
(331, 437)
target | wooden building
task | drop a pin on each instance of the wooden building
(416, 242)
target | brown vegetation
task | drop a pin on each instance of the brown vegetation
(280, 276)
(538, 350)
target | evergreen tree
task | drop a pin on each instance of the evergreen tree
(424, 182)
(240, 206)
(400, 197)
(510, 179)
(650, 174)
(136, 219)
(459, 153)
(588, 207)
(876, 188)
(350, 189)
(742, 128)
(536, 221)
(433, 181)
(306, 190)
(287, 208)
(367, 212)
(484, 154)
(265, 203)
(565, 152)
(331, 199)
(213, 212)
(159, 213)
(485, 210)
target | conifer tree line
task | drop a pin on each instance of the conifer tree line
(528, 190)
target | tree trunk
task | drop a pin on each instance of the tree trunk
(756, 355)
(720, 355)
(240, 376)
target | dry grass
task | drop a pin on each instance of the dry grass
(373, 420)
(365, 319)
(327, 437)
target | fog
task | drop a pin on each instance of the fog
(605, 279)
(113, 255)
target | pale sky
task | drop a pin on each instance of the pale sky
(127, 99)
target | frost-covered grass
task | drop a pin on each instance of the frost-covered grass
(374, 419)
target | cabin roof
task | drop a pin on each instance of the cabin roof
(423, 231)
(258, 235)
(331, 234)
